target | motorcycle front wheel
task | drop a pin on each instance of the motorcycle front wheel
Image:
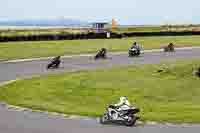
(130, 54)
(104, 119)
(49, 66)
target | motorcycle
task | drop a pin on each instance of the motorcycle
(101, 54)
(114, 115)
(55, 63)
(169, 48)
(197, 72)
(134, 52)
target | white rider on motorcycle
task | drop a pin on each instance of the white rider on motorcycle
(136, 46)
(123, 104)
(57, 58)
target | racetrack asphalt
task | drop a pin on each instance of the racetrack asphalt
(13, 121)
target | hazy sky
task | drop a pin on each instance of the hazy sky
(124, 11)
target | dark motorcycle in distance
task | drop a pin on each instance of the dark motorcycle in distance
(169, 48)
(125, 117)
(101, 54)
(197, 72)
(55, 63)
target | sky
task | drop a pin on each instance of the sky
(123, 11)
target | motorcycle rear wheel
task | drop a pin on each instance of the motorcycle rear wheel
(131, 122)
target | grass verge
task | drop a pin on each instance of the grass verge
(21, 50)
(170, 96)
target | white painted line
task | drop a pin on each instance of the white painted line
(89, 55)
(45, 58)
(8, 82)
(24, 109)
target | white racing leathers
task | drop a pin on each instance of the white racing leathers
(121, 106)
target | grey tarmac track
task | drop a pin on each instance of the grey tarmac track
(13, 121)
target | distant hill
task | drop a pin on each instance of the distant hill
(43, 22)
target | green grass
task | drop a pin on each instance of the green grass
(53, 31)
(139, 29)
(171, 96)
(169, 28)
(19, 50)
(28, 32)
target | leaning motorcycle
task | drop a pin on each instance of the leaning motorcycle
(101, 54)
(134, 52)
(169, 48)
(125, 117)
(54, 64)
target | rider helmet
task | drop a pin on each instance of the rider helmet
(123, 99)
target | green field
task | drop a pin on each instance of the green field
(162, 28)
(119, 29)
(169, 96)
(19, 50)
(139, 29)
(28, 32)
